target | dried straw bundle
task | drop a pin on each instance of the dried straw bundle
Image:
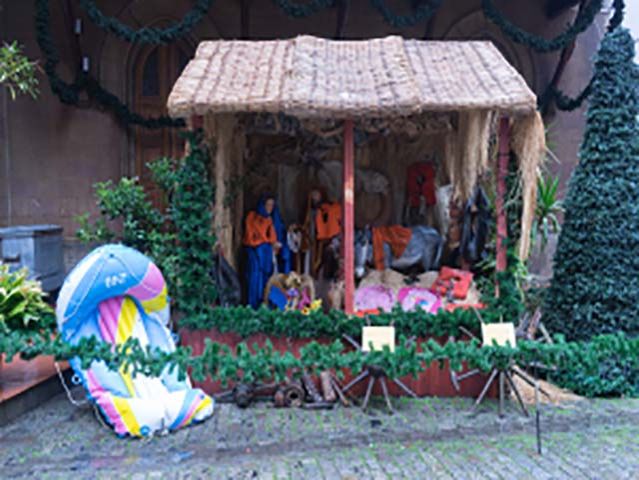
(529, 144)
(473, 135)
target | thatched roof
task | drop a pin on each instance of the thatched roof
(313, 77)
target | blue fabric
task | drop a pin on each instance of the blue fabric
(260, 259)
(258, 270)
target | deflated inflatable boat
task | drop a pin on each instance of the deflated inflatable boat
(113, 294)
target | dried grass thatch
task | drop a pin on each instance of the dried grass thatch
(315, 77)
(473, 139)
(529, 144)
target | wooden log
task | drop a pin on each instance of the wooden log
(327, 387)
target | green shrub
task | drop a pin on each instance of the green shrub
(22, 305)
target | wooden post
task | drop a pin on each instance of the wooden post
(348, 225)
(502, 172)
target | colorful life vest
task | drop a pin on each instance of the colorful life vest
(258, 230)
(420, 182)
(397, 238)
(328, 221)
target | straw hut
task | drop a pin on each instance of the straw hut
(466, 93)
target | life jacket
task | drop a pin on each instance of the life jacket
(328, 221)
(420, 182)
(258, 230)
(397, 238)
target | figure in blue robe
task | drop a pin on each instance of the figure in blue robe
(264, 234)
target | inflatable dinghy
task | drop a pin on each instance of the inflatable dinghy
(116, 293)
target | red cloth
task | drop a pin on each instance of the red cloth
(396, 236)
(420, 182)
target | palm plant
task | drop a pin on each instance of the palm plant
(548, 208)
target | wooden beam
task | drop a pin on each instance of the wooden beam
(502, 172)
(348, 225)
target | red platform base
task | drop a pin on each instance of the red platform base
(434, 381)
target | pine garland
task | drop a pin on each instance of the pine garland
(69, 93)
(148, 35)
(563, 101)
(424, 11)
(246, 321)
(585, 18)
(607, 365)
(297, 10)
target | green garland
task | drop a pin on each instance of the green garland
(563, 101)
(297, 10)
(148, 35)
(607, 365)
(70, 93)
(585, 18)
(425, 10)
(246, 321)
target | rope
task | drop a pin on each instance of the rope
(148, 35)
(77, 403)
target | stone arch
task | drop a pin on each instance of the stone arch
(475, 26)
(116, 57)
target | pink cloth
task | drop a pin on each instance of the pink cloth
(412, 298)
(374, 296)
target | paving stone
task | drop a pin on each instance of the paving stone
(426, 438)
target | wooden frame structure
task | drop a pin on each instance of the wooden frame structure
(320, 80)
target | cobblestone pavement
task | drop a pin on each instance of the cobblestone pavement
(429, 438)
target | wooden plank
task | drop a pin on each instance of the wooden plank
(348, 224)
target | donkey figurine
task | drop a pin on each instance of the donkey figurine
(424, 249)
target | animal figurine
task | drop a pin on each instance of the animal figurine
(424, 250)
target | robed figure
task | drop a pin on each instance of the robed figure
(266, 248)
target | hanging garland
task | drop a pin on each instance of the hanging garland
(563, 101)
(297, 10)
(148, 35)
(425, 10)
(585, 18)
(69, 93)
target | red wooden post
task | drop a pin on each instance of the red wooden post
(502, 172)
(348, 225)
(197, 121)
